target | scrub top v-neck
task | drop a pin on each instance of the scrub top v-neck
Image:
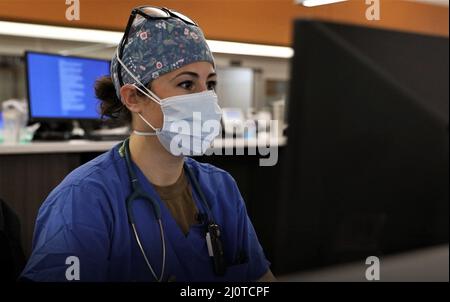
(179, 200)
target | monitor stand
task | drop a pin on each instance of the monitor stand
(81, 129)
(54, 131)
(77, 131)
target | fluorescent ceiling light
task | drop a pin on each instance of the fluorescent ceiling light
(311, 3)
(59, 33)
(113, 37)
(433, 2)
(250, 49)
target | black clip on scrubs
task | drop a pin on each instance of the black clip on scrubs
(213, 241)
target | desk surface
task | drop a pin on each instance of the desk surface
(77, 146)
(423, 265)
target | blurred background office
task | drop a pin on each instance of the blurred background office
(270, 67)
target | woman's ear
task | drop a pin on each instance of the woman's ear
(131, 99)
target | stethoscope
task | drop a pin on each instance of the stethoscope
(213, 241)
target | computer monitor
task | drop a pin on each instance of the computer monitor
(62, 87)
(366, 166)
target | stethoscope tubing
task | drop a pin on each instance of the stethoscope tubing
(137, 193)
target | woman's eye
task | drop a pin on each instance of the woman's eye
(186, 85)
(212, 85)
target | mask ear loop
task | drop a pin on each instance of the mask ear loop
(148, 93)
(141, 133)
(148, 124)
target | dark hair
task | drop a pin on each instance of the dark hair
(110, 105)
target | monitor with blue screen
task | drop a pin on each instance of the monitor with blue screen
(62, 87)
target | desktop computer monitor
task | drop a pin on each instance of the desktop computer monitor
(62, 87)
(366, 166)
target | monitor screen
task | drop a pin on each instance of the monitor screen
(62, 87)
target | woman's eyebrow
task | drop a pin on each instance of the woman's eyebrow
(191, 73)
(195, 75)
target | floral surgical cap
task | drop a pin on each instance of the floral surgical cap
(156, 47)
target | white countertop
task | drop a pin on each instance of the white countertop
(77, 146)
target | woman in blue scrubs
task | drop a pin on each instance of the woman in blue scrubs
(143, 211)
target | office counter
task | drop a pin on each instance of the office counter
(29, 172)
(75, 146)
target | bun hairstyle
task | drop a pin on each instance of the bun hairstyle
(110, 105)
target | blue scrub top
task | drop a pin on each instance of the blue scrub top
(85, 216)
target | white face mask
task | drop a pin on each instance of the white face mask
(191, 121)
